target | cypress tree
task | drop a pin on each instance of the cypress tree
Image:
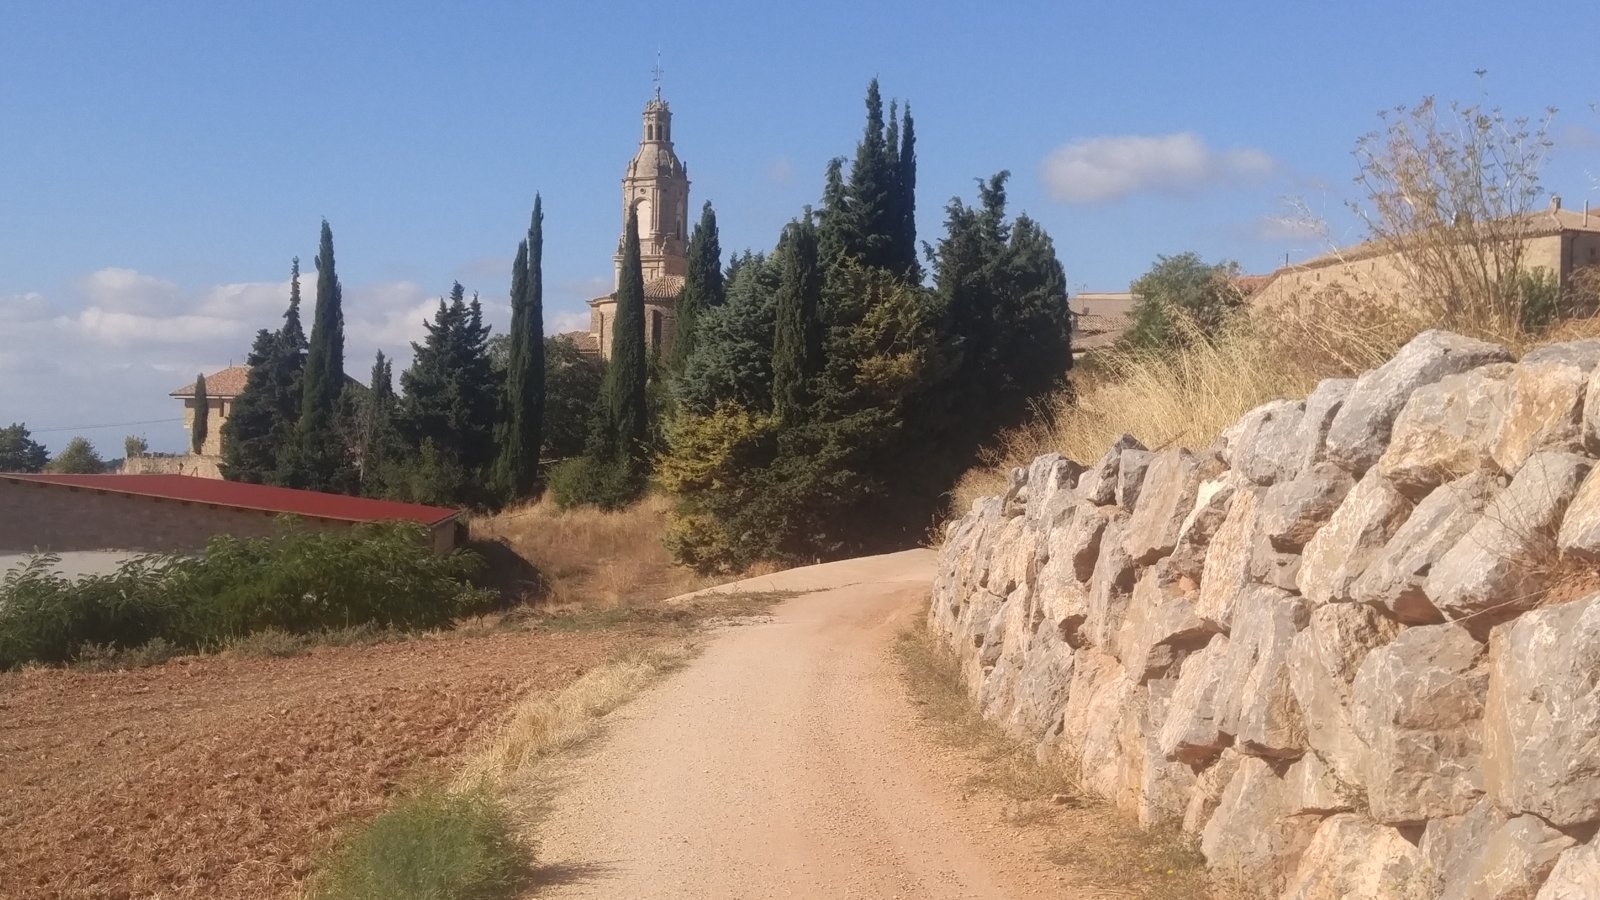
(623, 395)
(202, 416)
(518, 463)
(319, 461)
(261, 429)
(872, 223)
(906, 206)
(292, 335)
(797, 342)
(703, 287)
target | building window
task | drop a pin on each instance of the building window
(655, 328)
(650, 132)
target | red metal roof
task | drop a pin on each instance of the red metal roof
(259, 497)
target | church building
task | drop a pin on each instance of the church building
(656, 185)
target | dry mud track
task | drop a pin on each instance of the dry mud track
(786, 762)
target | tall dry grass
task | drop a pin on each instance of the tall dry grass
(592, 556)
(1187, 395)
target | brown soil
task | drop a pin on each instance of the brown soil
(225, 776)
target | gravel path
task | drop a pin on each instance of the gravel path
(786, 762)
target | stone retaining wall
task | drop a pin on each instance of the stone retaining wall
(1354, 646)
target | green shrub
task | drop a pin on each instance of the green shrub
(590, 481)
(433, 845)
(378, 577)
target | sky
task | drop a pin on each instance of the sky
(161, 163)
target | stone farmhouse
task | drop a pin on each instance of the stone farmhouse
(1559, 241)
(656, 186)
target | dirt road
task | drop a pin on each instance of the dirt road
(785, 762)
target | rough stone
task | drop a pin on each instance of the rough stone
(1580, 526)
(1360, 431)
(1130, 476)
(1419, 710)
(1292, 512)
(1351, 856)
(1394, 579)
(1576, 875)
(1339, 553)
(1227, 566)
(1191, 732)
(1514, 861)
(1110, 588)
(1314, 788)
(1260, 710)
(1450, 844)
(1098, 484)
(1274, 568)
(1213, 498)
(1165, 501)
(1078, 544)
(1265, 443)
(1040, 691)
(1252, 834)
(1547, 399)
(1542, 722)
(1207, 791)
(1323, 664)
(1321, 406)
(1161, 627)
(1447, 429)
(1500, 566)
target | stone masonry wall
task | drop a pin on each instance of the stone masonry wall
(1326, 645)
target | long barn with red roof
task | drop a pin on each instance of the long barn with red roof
(180, 513)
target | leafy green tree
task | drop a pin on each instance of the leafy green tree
(77, 458)
(1182, 296)
(732, 359)
(258, 439)
(703, 287)
(19, 452)
(374, 431)
(572, 388)
(134, 446)
(797, 344)
(518, 464)
(319, 461)
(202, 416)
(451, 398)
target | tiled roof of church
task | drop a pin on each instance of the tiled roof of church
(667, 287)
(585, 341)
(227, 383)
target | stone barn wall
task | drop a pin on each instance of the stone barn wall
(1326, 645)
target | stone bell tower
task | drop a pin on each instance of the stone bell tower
(657, 185)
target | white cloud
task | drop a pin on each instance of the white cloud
(1110, 167)
(563, 322)
(125, 290)
(26, 307)
(121, 329)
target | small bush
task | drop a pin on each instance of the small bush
(433, 845)
(297, 582)
(591, 481)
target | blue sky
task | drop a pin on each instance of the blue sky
(160, 163)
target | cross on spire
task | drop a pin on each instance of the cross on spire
(656, 73)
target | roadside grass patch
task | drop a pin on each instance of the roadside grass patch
(1086, 834)
(431, 845)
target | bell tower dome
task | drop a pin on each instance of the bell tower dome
(657, 186)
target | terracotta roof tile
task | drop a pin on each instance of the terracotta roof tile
(227, 383)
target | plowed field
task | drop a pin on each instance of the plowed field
(224, 776)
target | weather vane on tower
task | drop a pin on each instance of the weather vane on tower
(655, 73)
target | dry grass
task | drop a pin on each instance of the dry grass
(1087, 835)
(591, 556)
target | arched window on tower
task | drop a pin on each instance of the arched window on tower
(649, 132)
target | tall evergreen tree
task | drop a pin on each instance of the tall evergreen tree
(518, 463)
(905, 255)
(703, 287)
(623, 392)
(872, 223)
(797, 342)
(19, 452)
(376, 437)
(449, 409)
(319, 461)
(202, 416)
(292, 335)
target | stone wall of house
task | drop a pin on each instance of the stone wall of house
(181, 464)
(1353, 647)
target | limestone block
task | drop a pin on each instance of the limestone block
(1041, 688)
(1157, 789)
(1323, 664)
(1292, 512)
(1447, 429)
(1098, 485)
(1360, 430)
(1272, 568)
(1321, 406)
(1451, 844)
(1227, 566)
(1351, 856)
(1161, 627)
(1418, 707)
(1130, 476)
(1260, 710)
(1207, 791)
(1165, 501)
(1547, 399)
(1096, 726)
(1050, 481)
(1062, 599)
(1514, 861)
(1542, 722)
(1212, 499)
(1252, 835)
(1314, 788)
(1339, 552)
(1110, 588)
(1394, 579)
(1191, 732)
(1265, 443)
(1078, 543)
(1580, 526)
(1576, 875)
(1500, 566)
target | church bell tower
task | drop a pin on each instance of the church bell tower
(657, 186)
